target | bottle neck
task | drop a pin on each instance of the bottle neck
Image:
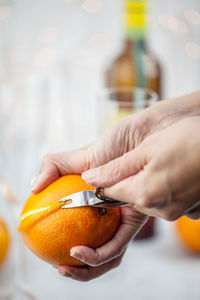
(130, 44)
(135, 20)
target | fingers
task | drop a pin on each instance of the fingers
(109, 255)
(49, 172)
(110, 146)
(148, 194)
(116, 246)
(88, 273)
(108, 174)
(55, 165)
(131, 190)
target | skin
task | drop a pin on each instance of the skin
(150, 160)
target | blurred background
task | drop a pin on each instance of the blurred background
(56, 56)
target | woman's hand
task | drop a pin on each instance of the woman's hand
(122, 137)
(114, 147)
(160, 177)
(109, 256)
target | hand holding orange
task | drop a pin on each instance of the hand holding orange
(50, 232)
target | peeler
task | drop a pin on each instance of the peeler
(94, 198)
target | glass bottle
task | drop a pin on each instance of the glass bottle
(135, 66)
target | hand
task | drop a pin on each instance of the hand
(161, 176)
(109, 255)
(118, 140)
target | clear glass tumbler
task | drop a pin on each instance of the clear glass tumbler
(117, 102)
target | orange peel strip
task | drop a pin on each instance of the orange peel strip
(33, 216)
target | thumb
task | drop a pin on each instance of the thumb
(117, 169)
(59, 164)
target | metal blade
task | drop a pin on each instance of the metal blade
(84, 198)
(89, 198)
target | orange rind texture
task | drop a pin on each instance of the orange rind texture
(50, 232)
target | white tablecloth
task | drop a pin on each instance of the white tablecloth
(154, 269)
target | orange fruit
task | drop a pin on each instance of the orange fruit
(50, 232)
(4, 241)
(189, 232)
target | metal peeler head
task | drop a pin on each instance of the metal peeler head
(90, 198)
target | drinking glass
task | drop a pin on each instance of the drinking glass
(117, 102)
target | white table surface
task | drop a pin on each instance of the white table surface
(154, 269)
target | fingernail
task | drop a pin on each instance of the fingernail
(36, 180)
(90, 174)
(33, 180)
(76, 255)
(34, 185)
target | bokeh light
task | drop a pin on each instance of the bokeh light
(177, 26)
(48, 34)
(192, 16)
(45, 58)
(173, 24)
(96, 44)
(164, 21)
(5, 12)
(92, 6)
(193, 50)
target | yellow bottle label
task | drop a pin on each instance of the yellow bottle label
(135, 18)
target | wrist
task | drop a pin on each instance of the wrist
(167, 112)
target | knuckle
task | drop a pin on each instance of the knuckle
(170, 215)
(117, 262)
(119, 251)
(83, 276)
(102, 172)
(146, 200)
(152, 197)
(111, 171)
(47, 158)
(95, 261)
(84, 279)
(115, 174)
(89, 158)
